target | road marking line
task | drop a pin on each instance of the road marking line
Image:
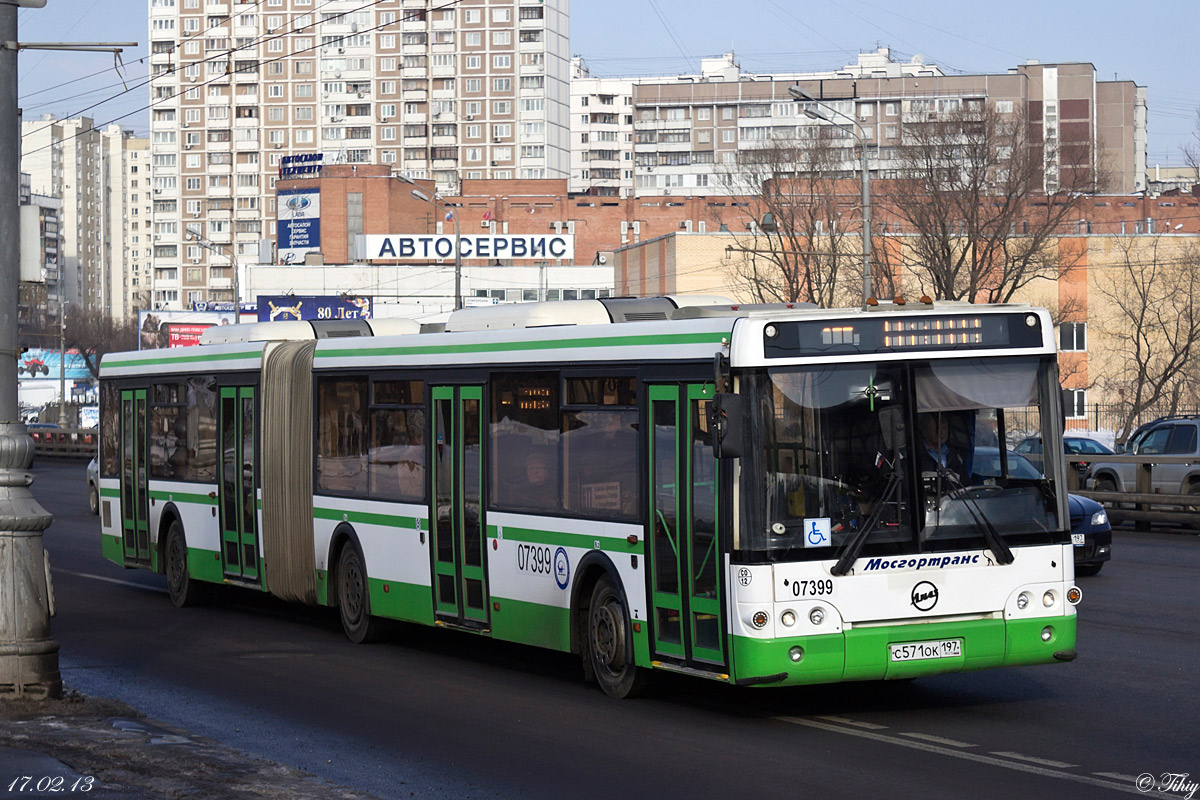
(1116, 775)
(871, 726)
(962, 754)
(1043, 761)
(110, 580)
(939, 740)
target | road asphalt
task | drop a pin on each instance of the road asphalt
(98, 748)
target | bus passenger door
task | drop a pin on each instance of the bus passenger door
(460, 591)
(684, 546)
(238, 499)
(135, 499)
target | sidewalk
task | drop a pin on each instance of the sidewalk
(106, 749)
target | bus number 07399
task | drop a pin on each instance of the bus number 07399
(821, 587)
(534, 558)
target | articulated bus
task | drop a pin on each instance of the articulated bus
(761, 495)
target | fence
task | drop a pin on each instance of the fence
(1111, 416)
(73, 442)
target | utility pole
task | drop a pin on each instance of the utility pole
(62, 362)
(28, 654)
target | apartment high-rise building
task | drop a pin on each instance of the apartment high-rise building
(476, 90)
(127, 248)
(38, 293)
(687, 131)
(63, 158)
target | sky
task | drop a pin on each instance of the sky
(665, 37)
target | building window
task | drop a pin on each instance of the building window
(1072, 337)
(1075, 403)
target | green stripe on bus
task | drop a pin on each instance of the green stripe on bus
(863, 654)
(583, 540)
(110, 491)
(182, 497)
(656, 340)
(205, 565)
(531, 623)
(366, 518)
(181, 359)
(411, 602)
(112, 549)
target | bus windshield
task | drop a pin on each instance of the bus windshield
(895, 458)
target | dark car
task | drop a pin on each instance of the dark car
(1091, 533)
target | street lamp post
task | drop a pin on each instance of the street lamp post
(800, 95)
(62, 363)
(28, 652)
(211, 246)
(420, 195)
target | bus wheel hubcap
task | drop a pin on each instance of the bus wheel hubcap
(353, 592)
(607, 639)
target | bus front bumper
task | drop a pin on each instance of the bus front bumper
(865, 653)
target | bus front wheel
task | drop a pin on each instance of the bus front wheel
(354, 601)
(609, 644)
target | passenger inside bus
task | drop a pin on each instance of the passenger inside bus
(538, 491)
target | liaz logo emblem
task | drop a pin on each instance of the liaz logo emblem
(924, 596)
(562, 568)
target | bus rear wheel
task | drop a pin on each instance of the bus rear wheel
(354, 601)
(181, 588)
(609, 644)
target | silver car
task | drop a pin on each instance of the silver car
(1179, 436)
(93, 482)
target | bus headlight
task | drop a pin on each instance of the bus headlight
(788, 618)
(796, 653)
(1048, 598)
(1023, 600)
(759, 620)
(1047, 633)
(816, 616)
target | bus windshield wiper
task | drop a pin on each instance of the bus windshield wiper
(853, 547)
(991, 536)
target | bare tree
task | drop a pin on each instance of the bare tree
(94, 333)
(1151, 320)
(1191, 150)
(800, 245)
(983, 202)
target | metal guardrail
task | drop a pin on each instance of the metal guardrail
(1143, 505)
(66, 442)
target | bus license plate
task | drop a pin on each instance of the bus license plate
(918, 651)
(1077, 539)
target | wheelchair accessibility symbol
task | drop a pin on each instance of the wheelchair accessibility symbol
(816, 532)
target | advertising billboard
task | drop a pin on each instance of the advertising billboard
(279, 308)
(38, 364)
(298, 224)
(427, 247)
(162, 329)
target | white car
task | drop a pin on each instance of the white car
(93, 481)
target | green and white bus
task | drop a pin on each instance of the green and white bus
(741, 493)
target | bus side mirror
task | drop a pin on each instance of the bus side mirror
(726, 423)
